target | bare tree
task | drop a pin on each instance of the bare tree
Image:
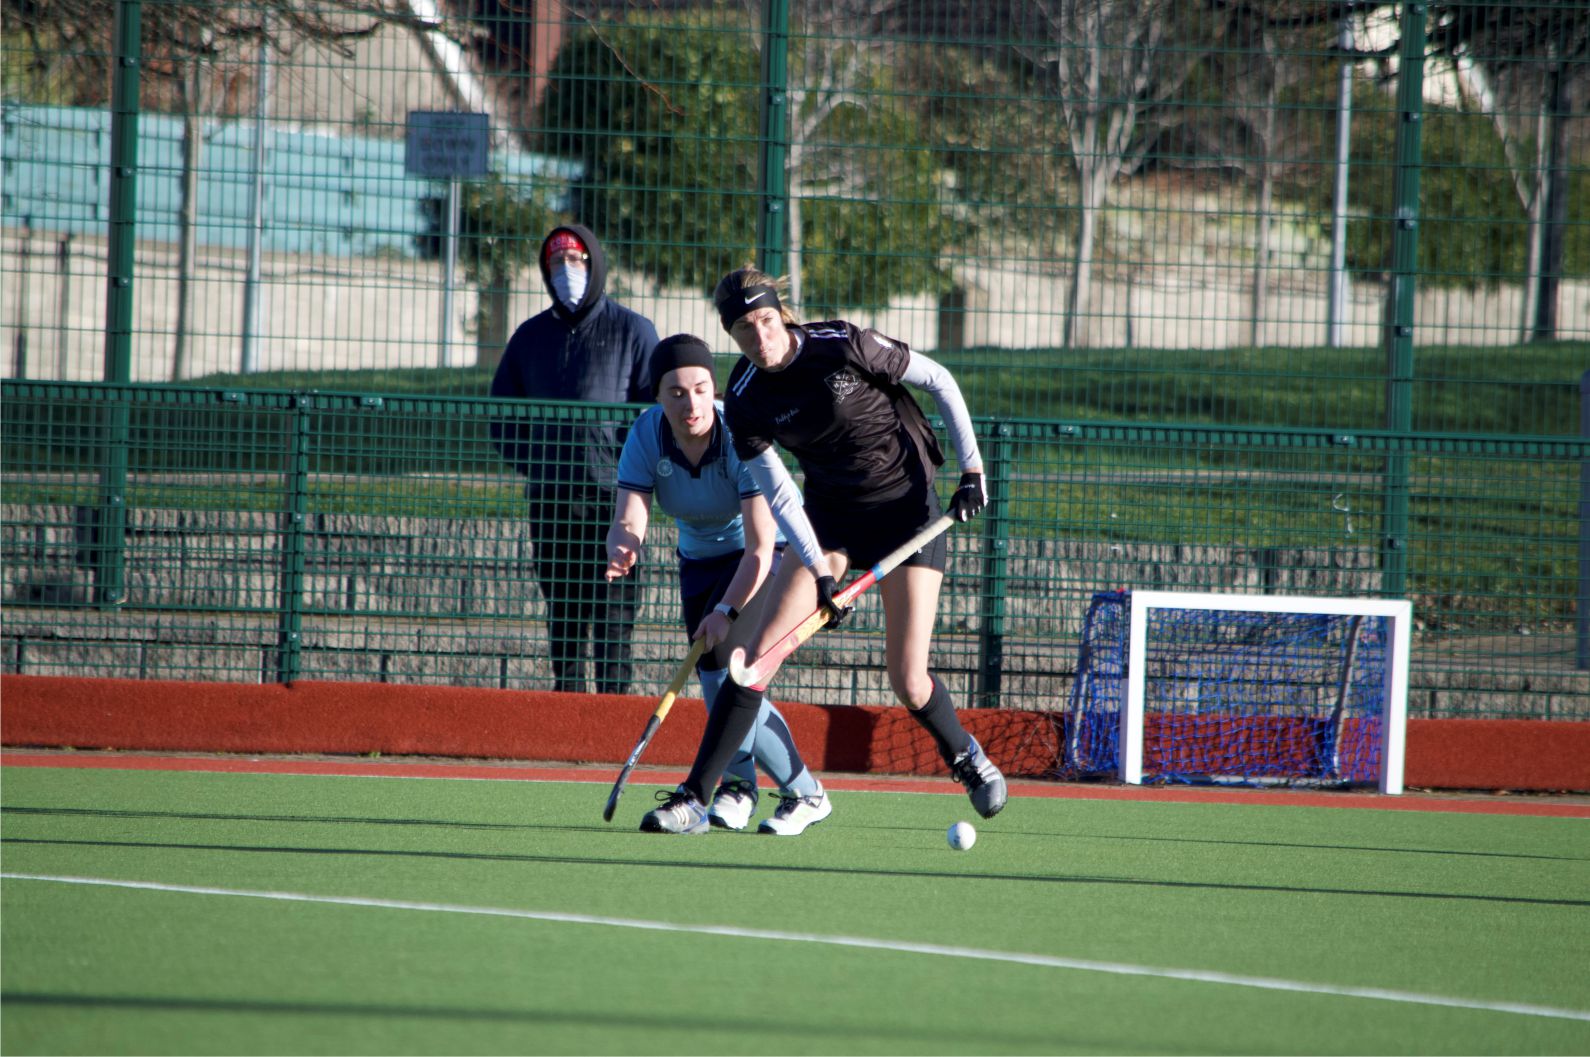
(1524, 62)
(837, 42)
(1524, 66)
(188, 76)
(833, 57)
(1249, 130)
(1108, 65)
(1525, 132)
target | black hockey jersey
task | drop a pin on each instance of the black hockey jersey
(840, 409)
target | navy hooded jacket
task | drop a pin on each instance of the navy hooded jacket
(596, 352)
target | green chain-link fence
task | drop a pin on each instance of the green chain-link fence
(1282, 296)
(270, 535)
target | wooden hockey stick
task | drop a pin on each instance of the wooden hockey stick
(652, 724)
(755, 676)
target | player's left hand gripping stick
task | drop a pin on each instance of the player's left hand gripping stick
(756, 674)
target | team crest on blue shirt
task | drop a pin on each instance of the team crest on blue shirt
(843, 383)
(665, 467)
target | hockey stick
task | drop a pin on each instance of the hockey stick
(652, 724)
(754, 676)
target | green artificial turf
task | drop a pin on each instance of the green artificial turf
(1470, 907)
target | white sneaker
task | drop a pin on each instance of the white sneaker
(680, 813)
(796, 813)
(733, 805)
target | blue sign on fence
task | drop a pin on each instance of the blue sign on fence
(446, 144)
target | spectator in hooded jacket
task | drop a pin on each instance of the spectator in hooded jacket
(585, 347)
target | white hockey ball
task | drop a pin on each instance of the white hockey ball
(961, 836)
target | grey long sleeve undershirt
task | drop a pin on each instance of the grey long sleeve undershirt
(930, 375)
(785, 500)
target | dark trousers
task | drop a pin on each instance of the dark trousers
(570, 557)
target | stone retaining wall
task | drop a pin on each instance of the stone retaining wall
(453, 600)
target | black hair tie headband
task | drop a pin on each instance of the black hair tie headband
(749, 299)
(681, 350)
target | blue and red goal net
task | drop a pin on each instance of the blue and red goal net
(1232, 695)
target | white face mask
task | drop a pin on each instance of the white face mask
(569, 284)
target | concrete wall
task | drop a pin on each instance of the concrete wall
(330, 312)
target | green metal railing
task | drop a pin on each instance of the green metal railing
(277, 536)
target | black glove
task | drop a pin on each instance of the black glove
(825, 600)
(971, 495)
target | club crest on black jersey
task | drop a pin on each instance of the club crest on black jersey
(843, 383)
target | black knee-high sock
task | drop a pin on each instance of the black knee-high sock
(938, 719)
(730, 720)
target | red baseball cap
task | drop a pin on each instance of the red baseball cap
(561, 241)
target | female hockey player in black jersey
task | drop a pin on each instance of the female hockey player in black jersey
(833, 395)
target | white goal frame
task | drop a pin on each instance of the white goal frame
(1398, 612)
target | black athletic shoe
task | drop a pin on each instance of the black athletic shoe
(984, 784)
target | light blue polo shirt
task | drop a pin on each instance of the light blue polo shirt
(704, 499)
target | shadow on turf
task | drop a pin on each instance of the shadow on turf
(694, 1022)
(1135, 837)
(676, 864)
(196, 816)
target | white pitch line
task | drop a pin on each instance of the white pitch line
(1206, 976)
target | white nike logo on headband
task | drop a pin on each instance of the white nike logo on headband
(758, 297)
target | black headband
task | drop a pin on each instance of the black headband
(681, 350)
(748, 299)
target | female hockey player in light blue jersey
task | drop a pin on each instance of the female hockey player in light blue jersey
(679, 455)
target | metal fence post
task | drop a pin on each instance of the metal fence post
(295, 517)
(1400, 309)
(772, 220)
(256, 202)
(123, 226)
(19, 350)
(111, 533)
(1582, 653)
(450, 213)
(63, 306)
(996, 558)
(1337, 303)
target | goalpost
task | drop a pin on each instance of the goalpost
(1254, 689)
